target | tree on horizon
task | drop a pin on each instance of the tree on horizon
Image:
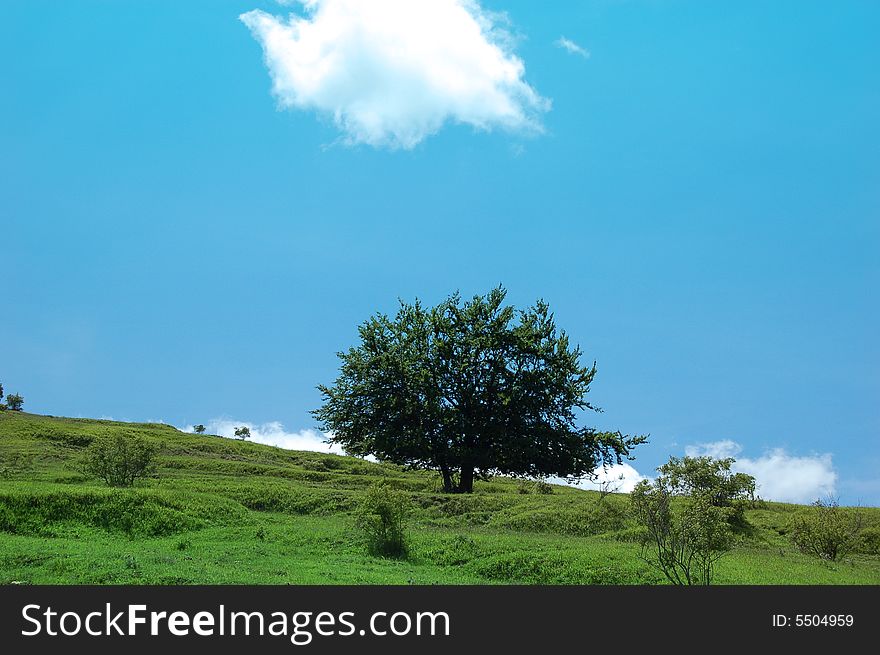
(469, 389)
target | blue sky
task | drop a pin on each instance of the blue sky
(697, 194)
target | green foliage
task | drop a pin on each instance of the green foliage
(119, 461)
(683, 539)
(381, 517)
(468, 389)
(136, 514)
(869, 541)
(827, 530)
(297, 500)
(224, 511)
(243, 433)
(712, 480)
(199, 429)
(560, 567)
(14, 402)
(580, 520)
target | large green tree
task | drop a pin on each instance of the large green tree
(469, 388)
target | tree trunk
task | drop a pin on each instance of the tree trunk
(448, 486)
(466, 480)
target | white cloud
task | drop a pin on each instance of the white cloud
(390, 73)
(572, 48)
(273, 434)
(619, 478)
(778, 475)
(714, 449)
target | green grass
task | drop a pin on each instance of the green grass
(228, 512)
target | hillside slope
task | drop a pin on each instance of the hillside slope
(223, 511)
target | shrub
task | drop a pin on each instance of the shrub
(243, 433)
(869, 541)
(683, 541)
(826, 530)
(119, 461)
(381, 517)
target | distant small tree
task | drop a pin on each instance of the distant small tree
(687, 527)
(199, 429)
(14, 402)
(1, 391)
(243, 433)
(827, 530)
(119, 461)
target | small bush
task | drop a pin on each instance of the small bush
(826, 530)
(869, 541)
(119, 461)
(683, 540)
(381, 517)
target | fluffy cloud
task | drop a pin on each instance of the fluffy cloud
(392, 72)
(273, 434)
(621, 478)
(714, 449)
(572, 48)
(779, 475)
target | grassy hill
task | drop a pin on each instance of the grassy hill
(223, 511)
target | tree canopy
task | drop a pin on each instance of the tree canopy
(15, 401)
(707, 476)
(469, 388)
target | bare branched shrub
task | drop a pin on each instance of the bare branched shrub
(827, 530)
